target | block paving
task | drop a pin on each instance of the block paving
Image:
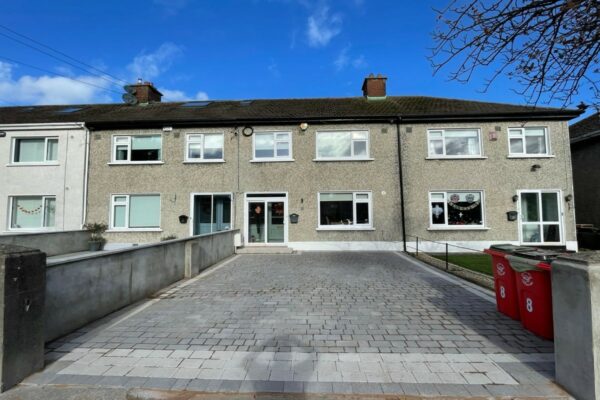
(312, 322)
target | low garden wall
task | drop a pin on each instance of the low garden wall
(82, 289)
(51, 243)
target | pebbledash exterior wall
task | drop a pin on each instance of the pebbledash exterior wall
(499, 176)
(302, 179)
(65, 179)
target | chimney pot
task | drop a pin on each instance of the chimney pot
(146, 92)
(374, 87)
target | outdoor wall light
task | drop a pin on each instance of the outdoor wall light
(304, 126)
(535, 167)
(515, 198)
(568, 197)
(183, 219)
(2, 134)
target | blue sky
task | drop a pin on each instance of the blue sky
(227, 49)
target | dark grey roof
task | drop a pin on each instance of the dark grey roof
(585, 129)
(409, 108)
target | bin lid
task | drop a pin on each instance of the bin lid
(509, 248)
(522, 264)
(538, 254)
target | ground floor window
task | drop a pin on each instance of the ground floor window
(212, 213)
(32, 212)
(456, 209)
(540, 217)
(135, 211)
(345, 210)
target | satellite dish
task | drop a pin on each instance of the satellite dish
(129, 99)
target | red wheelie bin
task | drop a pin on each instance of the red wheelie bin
(534, 290)
(505, 279)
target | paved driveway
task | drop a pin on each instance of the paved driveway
(312, 322)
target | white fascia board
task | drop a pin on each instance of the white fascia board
(42, 126)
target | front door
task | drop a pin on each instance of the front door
(541, 217)
(266, 223)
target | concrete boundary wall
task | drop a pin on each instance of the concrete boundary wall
(51, 243)
(82, 289)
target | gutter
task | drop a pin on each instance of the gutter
(587, 136)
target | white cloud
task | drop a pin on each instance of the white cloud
(322, 27)
(151, 65)
(45, 89)
(344, 59)
(179, 95)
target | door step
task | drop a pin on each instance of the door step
(264, 250)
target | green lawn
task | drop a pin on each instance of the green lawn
(475, 262)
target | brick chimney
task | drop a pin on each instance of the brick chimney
(145, 92)
(374, 87)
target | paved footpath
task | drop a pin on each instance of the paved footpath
(361, 323)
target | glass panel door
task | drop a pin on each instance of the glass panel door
(275, 222)
(256, 222)
(540, 217)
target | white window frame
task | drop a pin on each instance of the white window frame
(560, 222)
(45, 161)
(354, 226)
(446, 226)
(212, 194)
(112, 227)
(275, 158)
(199, 138)
(522, 136)
(128, 144)
(431, 155)
(11, 203)
(352, 157)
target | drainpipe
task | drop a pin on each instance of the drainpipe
(401, 179)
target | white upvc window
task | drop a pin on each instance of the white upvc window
(345, 211)
(135, 212)
(342, 145)
(456, 209)
(139, 149)
(454, 143)
(34, 150)
(272, 146)
(204, 147)
(531, 141)
(32, 212)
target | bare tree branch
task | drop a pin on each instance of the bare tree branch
(550, 47)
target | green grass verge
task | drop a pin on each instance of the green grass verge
(475, 262)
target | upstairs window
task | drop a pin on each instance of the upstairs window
(35, 150)
(454, 143)
(528, 141)
(204, 147)
(274, 146)
(140, 149)
(342, 145)
(456, 209)
(32, 212)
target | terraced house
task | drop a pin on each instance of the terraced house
(367, 172)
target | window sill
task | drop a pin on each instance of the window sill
(341, 159)
(134, 230)
(448, 228)
(457, 158)
(33, 164)
(335, 228)
(137, 163)
(30, 230)
(204, 161)
(531, 156)
(269, 160)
